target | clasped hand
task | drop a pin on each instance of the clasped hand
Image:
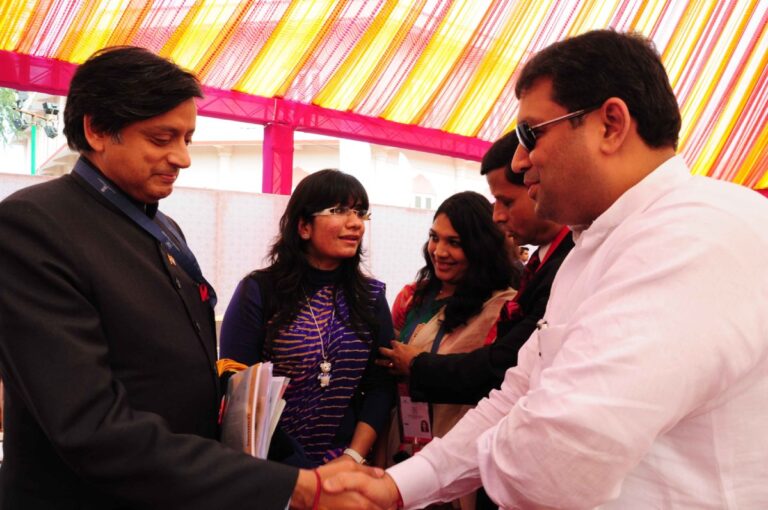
(347, 485)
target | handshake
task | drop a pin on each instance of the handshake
(342, 485)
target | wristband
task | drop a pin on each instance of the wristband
(356, 456)
(316, 502)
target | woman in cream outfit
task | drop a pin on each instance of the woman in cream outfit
(454, 304)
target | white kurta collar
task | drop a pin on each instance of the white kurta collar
(637, 198)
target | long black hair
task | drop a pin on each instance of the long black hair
(289, 267)
(488, 268)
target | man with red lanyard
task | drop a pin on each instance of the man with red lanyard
(468, 377)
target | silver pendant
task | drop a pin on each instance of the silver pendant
(325, 373)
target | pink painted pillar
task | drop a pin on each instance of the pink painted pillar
(277, 157)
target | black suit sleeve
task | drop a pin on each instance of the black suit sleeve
(466, 378)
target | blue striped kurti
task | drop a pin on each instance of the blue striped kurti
(312, 414)
(320, 421)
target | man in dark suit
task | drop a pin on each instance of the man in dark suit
(107, 340)
(468, 377)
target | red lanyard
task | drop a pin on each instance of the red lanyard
(553, 246)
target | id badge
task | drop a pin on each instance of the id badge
(415, 422)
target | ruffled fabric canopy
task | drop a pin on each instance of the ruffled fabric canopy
(432, 75)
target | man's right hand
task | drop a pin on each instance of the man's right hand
(304, 493)
(380, 491)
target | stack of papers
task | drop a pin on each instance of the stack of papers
(252, 408)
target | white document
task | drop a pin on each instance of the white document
(252, 409)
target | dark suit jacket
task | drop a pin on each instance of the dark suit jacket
(468, 377)
(108, 356)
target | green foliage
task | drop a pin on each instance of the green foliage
(7, 113)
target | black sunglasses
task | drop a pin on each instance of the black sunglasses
(526, 133)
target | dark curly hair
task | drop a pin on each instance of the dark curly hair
(288, 262)
(488, 268)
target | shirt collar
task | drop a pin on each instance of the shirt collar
(543, 249)
(666, 176)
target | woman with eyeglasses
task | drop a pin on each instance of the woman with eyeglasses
(452, 307)
(319, 320)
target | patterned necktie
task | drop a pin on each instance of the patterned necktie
(511, 310)
(529, 271)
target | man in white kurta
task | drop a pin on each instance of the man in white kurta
(646, 385)
(647, 388)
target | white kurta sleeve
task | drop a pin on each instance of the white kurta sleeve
(447, 467)
(651, 342)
